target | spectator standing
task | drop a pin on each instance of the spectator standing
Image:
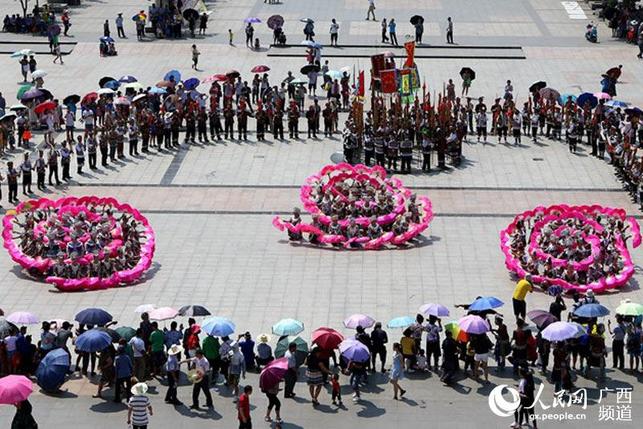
(119, 26)
(449, 31)
(384, 30)
(172, 372)
(245, 422)
(523, 287)
(379, 338)
(392, 31)
(123, 371)
(139, 407)
(334, 32)
(371, 10)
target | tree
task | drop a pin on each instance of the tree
(25, 6)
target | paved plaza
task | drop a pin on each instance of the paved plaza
(211, 205)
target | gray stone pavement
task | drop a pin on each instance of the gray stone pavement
(212, 215)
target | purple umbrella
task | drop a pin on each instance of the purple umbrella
(437, 310)
(31, 94)
(473, 325)
(359, 320)
(541, 318)
(560, 331)
(22, 318)
(354, 350)
(252, 20)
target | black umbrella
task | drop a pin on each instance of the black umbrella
(310, 68)
(537, 86)
(634, 111)
(103, 80)
(194, 310)
(7, 328)
(275, 21)
(232, 74)
(190, 14)
(46, 94)
(417, 19)
(112, 333)
(467, 71)
(71, 99)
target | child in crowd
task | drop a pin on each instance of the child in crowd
(336, 393)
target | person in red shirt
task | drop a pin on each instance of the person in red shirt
(243, 407)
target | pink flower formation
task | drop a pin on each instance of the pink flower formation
(358, 207)
(82, 243)
(577, 248)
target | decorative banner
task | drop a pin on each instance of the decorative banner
(575, 247)
(410, 54)
(405, 82)
(378, 64)
(389, 83)
(361, 88)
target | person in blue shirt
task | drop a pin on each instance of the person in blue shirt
(391, 31)
(123, 368)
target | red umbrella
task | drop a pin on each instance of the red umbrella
(327, 338)
(273, 373)
(89, 98)
(164, 84)
(215, 78)
(43, 107)
(260, 69)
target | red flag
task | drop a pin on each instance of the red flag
(361, 83)
(410, 53)
(389, 85)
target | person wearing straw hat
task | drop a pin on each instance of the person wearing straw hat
(173, 373)
(139, 407)
(264, 351)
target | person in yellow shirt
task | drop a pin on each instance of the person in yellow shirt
(520, 292)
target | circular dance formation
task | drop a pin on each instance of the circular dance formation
(577, 248)
(80, 243)
(358, 207)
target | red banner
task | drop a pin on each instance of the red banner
(389, 84)
(410, 53)
(361, 84)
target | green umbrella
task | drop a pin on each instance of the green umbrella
(126, 332)
(300, 353)
(24, 88)
(629, 308)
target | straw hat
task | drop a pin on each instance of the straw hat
(175, 350)
(264, 338)
(139, 389)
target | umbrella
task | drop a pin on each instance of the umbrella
(172, 75)
(125, 332)
(89, 98)
(71, 99)
(43, 107)
(93, 340)
(585, 98)
(417, 19)
(629, 308)
(52, 370)
(194, 311)
(38, 74)
(300, 352)
(232, 74)
(287, 327)
(112, 84)
(359, 320)
(275, 21)
(191, 83)
(31, 94)
(327, 338)
(401, 322)
(307, 20)
(485, 303)
(144, 308)
(334, 74)
(616, 103)
(14, 389)
(591, 310)
(157, 90)
(299, 81)
(112, 334)
(473, 324)
(7, 328)
(127, 79)
(9, 115)
(218, 326)
(21, 91)
(273, 373)
(260, 69)
(437, 310)
(214, 78)
(464, 71)
(312, 44)
(22, 53)
(564, 97)
(537, 86)
(190, 14)
(354, 350)
(54, 29)
(163, 313)
(46, 94)
(602, 95)
(580, 330)
(22, 318)
(309, 68)
(134, 86)
(541, 318)
(635, 111)
(560, 331)
(122, 101)
(549, 93)
(93, 316)
(17, 107)
(252, 20)
(103, 80)
(105, 91)
(456, 333)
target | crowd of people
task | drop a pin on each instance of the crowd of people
(149, 353)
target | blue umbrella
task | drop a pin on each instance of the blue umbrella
(401, 322)
(93, 340)
(592, 310)
(287, 327)
(127, 79)
(616, 103)
(563, 98)
(106, 39)
(173, 75)
(157, 90)
(587, 97)
(354, 350)
(93, 316)
(52, 370)
(218, 326)
(191, 83)
(112, 84)
(485, 303)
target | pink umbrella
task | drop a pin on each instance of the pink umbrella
(163, 313)
(359, 320)
(473, 324)
(602, 95)
(273, 373)
(14, 389)
(22, 318)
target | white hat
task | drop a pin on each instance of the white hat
(174, 350)
(139, 389)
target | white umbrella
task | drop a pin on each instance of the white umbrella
(22, 53)
(17, 107)
(38, 74)
(145, 308)
(139, 97)
(105, 91)
(8, 115)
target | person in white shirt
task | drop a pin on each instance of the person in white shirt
(138, 351)
(201, 380)
(334, 32)
(371, 10)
